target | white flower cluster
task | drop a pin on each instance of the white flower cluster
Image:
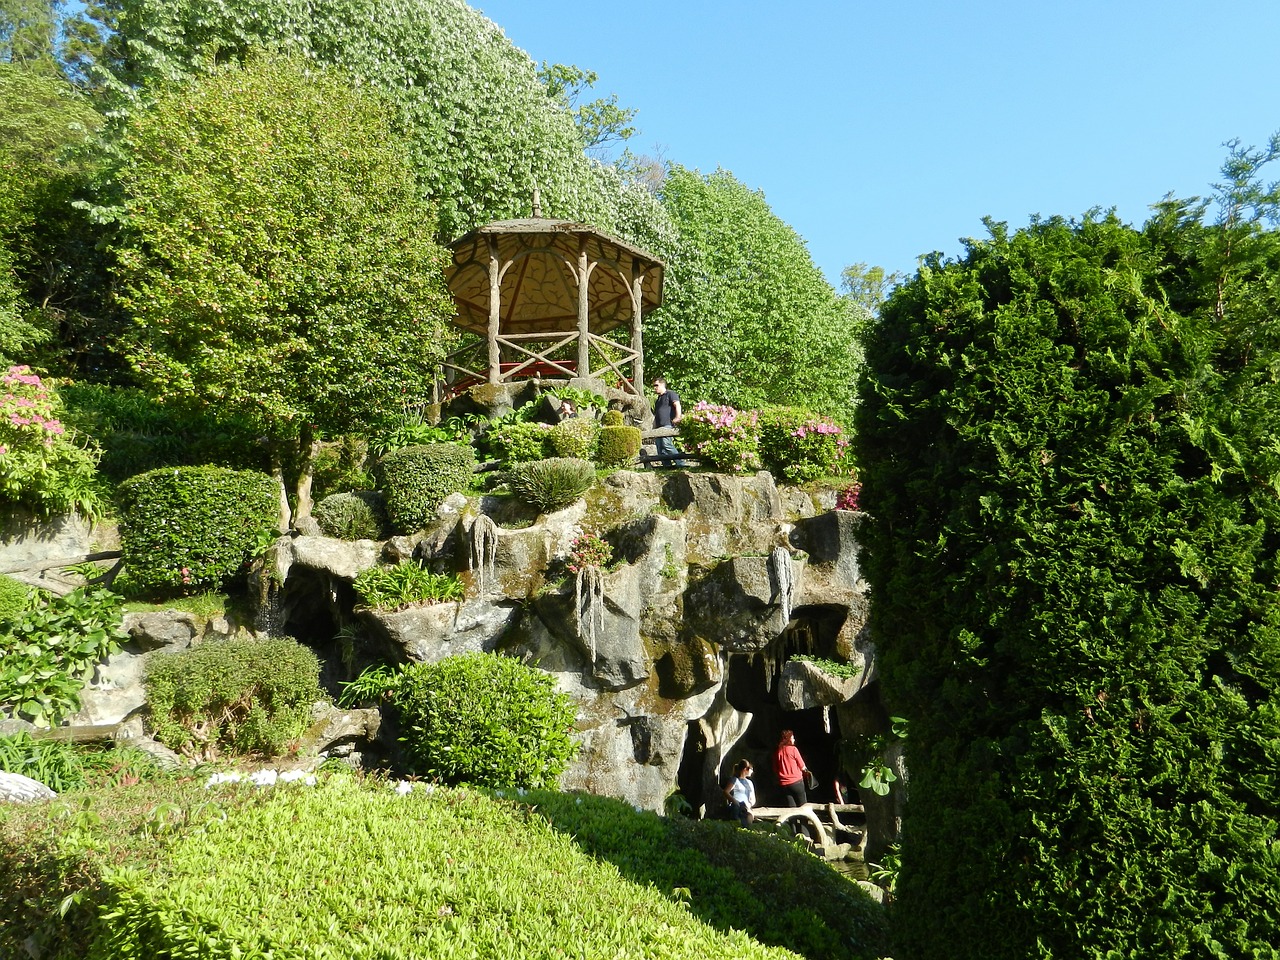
(405, 787)
(261, 778)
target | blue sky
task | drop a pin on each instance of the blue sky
(882, 131)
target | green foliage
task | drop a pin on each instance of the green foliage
(352, 516)
(412, 430)
(417, 479)
(278, 258)
(484, 719)
(404, 585)
(54, 763)
(43, 123)
(552, 484)
(243, 695)
(138, 432)
(49, 649)
(724, 438)
(747, 318)
(612, 418)
(43, 468)
(519, 441)
(61, 765)
(1067, 440)
(13, 597)
(799, 445)
(185, 529)
(744, 879)
(172, 869)
(618, 445)
(575, 437)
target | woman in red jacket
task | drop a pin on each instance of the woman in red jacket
(791, 770)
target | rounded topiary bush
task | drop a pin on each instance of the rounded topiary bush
(250, 696)
(613, 418)
(520, 441)
(484, 719)
(416, 480)
(618, 446)
(184, 529)
(552, 484)
(575, 437)
(361, 515)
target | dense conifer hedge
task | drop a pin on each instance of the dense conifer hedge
(1068, 446)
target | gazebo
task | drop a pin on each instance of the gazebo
(541, 295)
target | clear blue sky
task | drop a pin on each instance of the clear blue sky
(881, 131)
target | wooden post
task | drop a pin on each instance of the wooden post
(495, 306)
(584, 320)
(637, 334)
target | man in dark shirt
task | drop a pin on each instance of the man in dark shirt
(666, 413)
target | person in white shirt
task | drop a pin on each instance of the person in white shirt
(741, 793)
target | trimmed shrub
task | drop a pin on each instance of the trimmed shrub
(248, 696)
(406, 584)
(612, 418)
(575, 437)
(552, 484)
(188, 529)
(618, 445)
(361, 515)
(799, 445)
(417, 479)
(484, 719)
(519, 441)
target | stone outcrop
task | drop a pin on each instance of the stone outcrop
(679, 656)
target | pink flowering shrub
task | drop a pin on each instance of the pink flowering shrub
(847, 499)
(42, 467)
(799, 445)
(722, 437)
(588, 550)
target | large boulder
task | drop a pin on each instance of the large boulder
(426, 633)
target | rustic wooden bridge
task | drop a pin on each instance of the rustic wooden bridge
(824, 820)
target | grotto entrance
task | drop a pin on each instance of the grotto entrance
(751, 688)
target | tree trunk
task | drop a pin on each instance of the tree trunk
(277, 471)
(308, 447)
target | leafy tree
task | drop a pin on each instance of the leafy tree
(748, 318)
(867, 287)
(1068, 444)
(601, 122)
(27, 30)
(43, 122)
(481, 127)
(277, 257)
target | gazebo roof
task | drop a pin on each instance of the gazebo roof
(539, 294)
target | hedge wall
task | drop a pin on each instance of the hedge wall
(1069, 454)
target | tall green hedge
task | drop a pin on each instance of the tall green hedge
(1069, 453)
(184, 529)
